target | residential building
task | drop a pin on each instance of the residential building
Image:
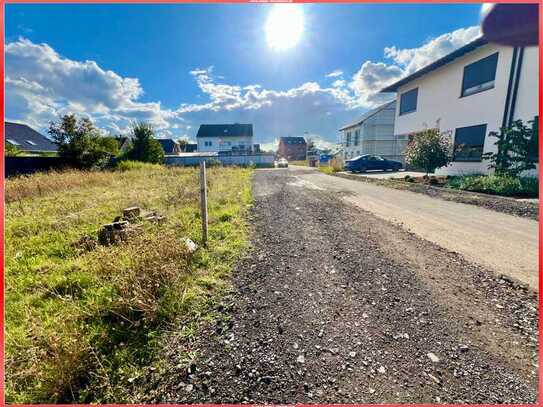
(235, 138)
(373, 133)
(190, 148)
(27, 140)
(467, 94)
(292, 148)
(170, 146)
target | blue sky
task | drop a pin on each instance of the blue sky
(182, 65)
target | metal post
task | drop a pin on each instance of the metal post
(203, 200)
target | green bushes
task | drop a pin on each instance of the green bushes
(145, 147)
(497, 185)
(81, 144)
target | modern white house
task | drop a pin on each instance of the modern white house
(373, 133)
(467, 94)
(235, 138)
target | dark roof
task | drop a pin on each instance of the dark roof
(368, 115)
(27, 139)
(168, 145)
(225, 130)
(292, 140)
(479, 42)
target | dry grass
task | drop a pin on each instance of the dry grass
(80, 322)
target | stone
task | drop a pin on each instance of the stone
(190, 245)
(433, 357)
(131, 212)
(300, 359)
(382, 370)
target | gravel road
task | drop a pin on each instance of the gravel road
(335, 305)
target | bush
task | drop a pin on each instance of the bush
(80, 143)
(497, 185)
(145, 147)
(428, 150)
(11, 151)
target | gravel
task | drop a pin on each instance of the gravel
(333, 305)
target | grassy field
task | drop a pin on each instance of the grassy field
(83, 319)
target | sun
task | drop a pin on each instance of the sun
(284, 26)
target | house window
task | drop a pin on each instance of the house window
(348, 140)
(13, 142)
(357, 137)
(469, 142)
(480, 75)
(208, 143)
(408, 101)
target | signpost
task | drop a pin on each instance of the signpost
(203, 200)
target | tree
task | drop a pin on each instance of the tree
(80, 143)
(428, 150)
(182, 144)
(144, 146)
(517, 149)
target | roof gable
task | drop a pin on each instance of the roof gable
(369, 115)
(225, 130)
(479, 42)
(27, 139)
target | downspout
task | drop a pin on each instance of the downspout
(515, 88)
(509, 87)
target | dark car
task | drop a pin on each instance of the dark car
(365, 163)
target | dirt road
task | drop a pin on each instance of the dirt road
(336, 305)
(505, 243)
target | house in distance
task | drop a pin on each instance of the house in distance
(292, 148)
(221, 138)
(27, 140)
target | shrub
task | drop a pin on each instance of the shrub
(80, 143)
(145, 147)
(497, 185)
(11, 151)
(428, 150)
(517, 149)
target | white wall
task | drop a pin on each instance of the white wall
(224, 143)
(439, 100)
(376, 136)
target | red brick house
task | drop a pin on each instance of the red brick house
(292, 148)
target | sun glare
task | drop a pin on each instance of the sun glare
(284, 26)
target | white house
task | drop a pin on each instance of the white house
(470, 92)
(225, 137)
(373, 133)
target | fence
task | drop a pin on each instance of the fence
(190, 159)
(29, 165)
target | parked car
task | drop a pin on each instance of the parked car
(281, 163)
(365, 163)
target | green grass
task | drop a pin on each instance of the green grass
(82, 322)
(496, 185)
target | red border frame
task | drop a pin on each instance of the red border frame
(2, 176)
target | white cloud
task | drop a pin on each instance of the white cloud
(335, 74)
(41, 84)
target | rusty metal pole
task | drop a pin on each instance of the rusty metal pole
(203, 200)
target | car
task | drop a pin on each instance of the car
(281, 163)
(365, 163)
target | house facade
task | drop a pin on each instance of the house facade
(467, 94)
(292, 148)
(27, 140)
(373, 133)
(235, 138)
